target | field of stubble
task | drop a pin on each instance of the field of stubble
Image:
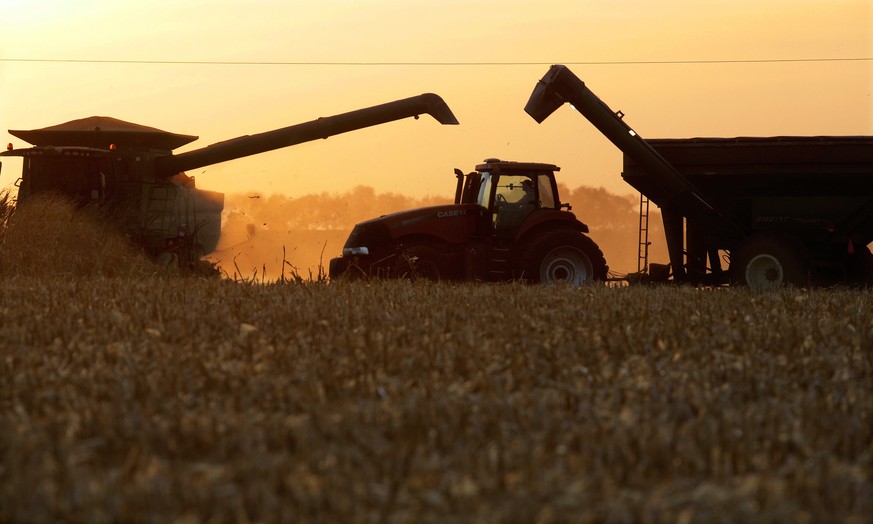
(130, 396)
(180, 399)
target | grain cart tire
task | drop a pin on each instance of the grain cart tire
(419, 263)
(563, 256)
(768, 261)
(859, 270)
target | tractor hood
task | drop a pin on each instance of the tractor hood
(450, 223)
(413, 217)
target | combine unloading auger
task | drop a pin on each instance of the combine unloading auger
(324, 127)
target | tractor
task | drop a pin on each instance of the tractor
(507, 223)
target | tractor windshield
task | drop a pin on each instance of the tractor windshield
(527, 190)
(547, 195)
(516, 190)
(515, 197)
(484, 199)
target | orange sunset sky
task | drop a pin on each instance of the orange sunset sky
(221, 69)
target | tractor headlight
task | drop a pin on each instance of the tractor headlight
(352, 251)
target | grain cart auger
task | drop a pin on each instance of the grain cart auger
(130, 172)
(782, 210)
(677, 197)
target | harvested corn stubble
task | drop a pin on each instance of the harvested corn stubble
(160, 399)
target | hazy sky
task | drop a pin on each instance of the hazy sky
(511, 42)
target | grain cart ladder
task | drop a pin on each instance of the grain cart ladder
(643, 253)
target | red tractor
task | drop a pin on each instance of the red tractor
(507, 223)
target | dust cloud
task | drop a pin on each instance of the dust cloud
(614, 223)
(270, 237)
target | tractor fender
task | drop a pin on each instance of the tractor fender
(551, 219)
(531, 230)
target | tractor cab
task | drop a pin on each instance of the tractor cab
(509, 192)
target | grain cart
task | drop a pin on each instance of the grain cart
(130, 172)
(507, 222)
(781, 210)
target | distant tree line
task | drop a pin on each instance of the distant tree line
(266, 234)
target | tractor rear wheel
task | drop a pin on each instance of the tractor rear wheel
(769, 261)
(563, 256)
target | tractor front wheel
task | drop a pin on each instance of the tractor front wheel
(563, 256)
(419, 263)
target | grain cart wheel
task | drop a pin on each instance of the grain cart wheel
(419, 263)
(563, 256)
(859, 269)
(767, 261)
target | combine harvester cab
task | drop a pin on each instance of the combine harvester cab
(130, 173)
(781, 210)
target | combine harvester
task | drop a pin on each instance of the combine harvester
(130, 172)
(781, 210)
